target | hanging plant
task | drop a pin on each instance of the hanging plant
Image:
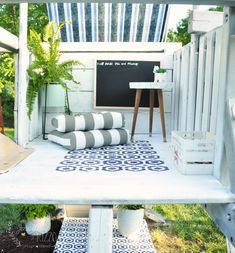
(46, 67)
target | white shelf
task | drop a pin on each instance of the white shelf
(151, 85)
(35, 180)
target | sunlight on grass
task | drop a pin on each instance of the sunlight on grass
(9, 132)
(191, 231)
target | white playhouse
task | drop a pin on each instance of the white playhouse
(188, 159)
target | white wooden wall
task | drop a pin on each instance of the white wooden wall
(196, 84)
(82, 99)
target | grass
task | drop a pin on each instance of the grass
(10, 217)
(191, 231)
(9, 132)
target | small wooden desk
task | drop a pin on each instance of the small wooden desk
(151, 86)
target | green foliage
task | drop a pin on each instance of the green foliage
(10, 217)
(9, 17)
(191, 230)
(9, 20)
(46, 67)
(181, 33)
(8, 109)
(7, 87)
(130, 207)
(7, 73)
(217, 8)
(37, 17)
(32, 211)
(161, 71)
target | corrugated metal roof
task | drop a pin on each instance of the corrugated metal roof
(110, 22)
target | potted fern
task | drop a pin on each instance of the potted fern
(46, 68)
(37, 217)
(130, 219)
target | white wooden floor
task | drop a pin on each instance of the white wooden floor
(35, 180)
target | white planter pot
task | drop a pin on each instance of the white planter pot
(55, 95)
(38, 226)
(159, 77)
(130, 221)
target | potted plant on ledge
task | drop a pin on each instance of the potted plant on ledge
(47, 69)
(159, 74)
(37, 217)
(130, 219)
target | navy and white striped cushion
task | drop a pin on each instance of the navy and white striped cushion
(88, 121)
(88, 139)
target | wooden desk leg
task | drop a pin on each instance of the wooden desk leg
(137, 103)
(161, 108)
(151, 106)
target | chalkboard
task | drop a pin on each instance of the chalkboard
(112, 82)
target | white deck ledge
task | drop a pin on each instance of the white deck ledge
(35, 180)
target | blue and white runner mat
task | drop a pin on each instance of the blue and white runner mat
(74, 234)
(133, 157)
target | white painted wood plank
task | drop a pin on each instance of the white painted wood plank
(219, 171)
(173, 115)
(83, 102)
(33, 130)
(100, 230)
(151, 85)
(16, 103)
(88, 59)
(202, 21)
(86, 79)
(183, 102)
(216, 80)
(79, 211)
(40, 175)
(177, 89)
(208, 81)
(200, 83)
(193, 67)
(8, 40)
(22, 127)
(168, 47)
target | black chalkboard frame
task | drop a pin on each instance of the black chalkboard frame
(101, 97)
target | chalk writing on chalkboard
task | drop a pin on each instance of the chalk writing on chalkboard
(112, 82)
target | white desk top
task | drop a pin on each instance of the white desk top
(151, 85)
(36, 180)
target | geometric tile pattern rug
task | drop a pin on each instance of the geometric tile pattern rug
(133, 157)
(73, 238)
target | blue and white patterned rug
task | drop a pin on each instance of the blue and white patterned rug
(134, 157)
(74, 234)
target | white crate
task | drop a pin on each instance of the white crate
(193, 152)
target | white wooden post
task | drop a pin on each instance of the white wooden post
(216, 83)
(208, 81)
(219, 148)
(176, 90)
(100, 229)
(184, 88)
(200, 84)
(22, 127)
(192, 83)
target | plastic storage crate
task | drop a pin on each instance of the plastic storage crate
(193, 152)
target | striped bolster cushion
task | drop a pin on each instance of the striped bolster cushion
(89, 139)
(88, 121)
